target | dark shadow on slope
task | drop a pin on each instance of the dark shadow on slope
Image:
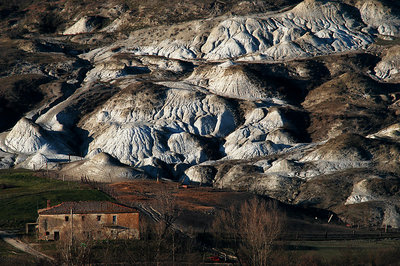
(18, 95)
(351, 103)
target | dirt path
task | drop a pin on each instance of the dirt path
(15, 242)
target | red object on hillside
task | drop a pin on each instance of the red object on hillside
(215, 259)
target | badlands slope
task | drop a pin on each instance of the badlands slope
(298, 102)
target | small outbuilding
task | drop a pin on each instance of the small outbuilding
(88, 219)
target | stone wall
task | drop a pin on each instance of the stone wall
(95, 226)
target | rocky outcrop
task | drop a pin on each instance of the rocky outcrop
(389, 68)
(84, 25)
(201, 173)
(391, 132)
(380, 17)
(101, 168)
(148, 121)
(37, 161)
(26, 137)
(6, 160)
(234, 81)
(311, 28)
(250, 139)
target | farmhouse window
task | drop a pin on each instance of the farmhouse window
(47, 233)
(66, 218)
(114, 219)
(98, 217)
(83, 217)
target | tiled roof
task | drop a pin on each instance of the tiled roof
(85, 207)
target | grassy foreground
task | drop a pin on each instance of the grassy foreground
(340, 252)
(11, 256)
(22, 194)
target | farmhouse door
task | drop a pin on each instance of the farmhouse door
(56, 236)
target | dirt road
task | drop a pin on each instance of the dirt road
(14, 241)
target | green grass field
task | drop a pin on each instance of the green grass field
(22, 194)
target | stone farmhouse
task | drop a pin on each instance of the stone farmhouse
(88, 219)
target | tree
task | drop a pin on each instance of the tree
(78, 252)
(76, 245)
(168, 211)
(252, 229)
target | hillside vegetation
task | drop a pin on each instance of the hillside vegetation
(23, 193)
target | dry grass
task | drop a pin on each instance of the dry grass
(200, 205)
(191, 198)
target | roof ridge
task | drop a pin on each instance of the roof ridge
(87, 207)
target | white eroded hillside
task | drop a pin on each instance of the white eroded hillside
(298, 104)
(311, 28)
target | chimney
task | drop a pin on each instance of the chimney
(48, 204)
